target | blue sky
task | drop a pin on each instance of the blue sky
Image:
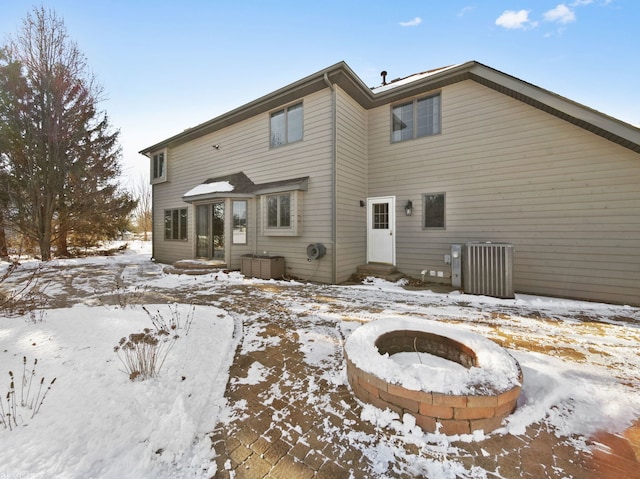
(166, 66)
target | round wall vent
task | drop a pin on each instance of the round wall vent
(315, 251)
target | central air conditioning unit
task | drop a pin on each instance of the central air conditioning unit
(488, 269)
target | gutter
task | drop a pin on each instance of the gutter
(334, 176)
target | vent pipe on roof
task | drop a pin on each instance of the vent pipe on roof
(383, 74)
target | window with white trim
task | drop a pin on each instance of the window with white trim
(282, 214)
(239, 222)
(286, 125)
(416, 119)
(159, 167)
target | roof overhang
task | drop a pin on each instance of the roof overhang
(240, 186)
(341, 74)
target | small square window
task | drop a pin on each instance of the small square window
(434, 210)
(380, 216)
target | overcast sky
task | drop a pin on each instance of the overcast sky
(169, 65)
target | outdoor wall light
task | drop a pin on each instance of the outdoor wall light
(408, 208)
(217, 146)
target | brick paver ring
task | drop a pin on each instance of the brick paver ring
(478, 396)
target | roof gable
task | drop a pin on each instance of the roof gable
(342, 75)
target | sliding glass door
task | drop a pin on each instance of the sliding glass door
(210, 231)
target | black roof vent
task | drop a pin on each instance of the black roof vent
(383, 74)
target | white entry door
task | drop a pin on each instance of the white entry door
(381, 225)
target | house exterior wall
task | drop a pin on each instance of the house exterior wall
(351, 185)
(245, 147)
(566, 198)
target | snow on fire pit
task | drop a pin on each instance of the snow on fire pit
(448, 379)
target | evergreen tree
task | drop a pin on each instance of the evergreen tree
(59, 151)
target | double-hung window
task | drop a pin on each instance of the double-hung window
(287, 125)
(175, 224)
(282, 213)
(279, 211)
(158, 167)
(415, 119)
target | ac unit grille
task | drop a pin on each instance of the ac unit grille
(488, 269)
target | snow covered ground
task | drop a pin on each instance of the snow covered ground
(95, 422)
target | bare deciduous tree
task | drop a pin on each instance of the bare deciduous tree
(143, 215)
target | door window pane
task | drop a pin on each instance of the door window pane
(380, 216)
(202, 231)
(217, 230)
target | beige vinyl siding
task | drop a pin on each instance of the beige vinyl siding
(351, 185)
(245, 147)
(567, 199)
(164, 198)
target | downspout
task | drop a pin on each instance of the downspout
(153, 209)
(334, 176)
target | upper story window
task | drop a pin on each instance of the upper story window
(286, 125)
(415, 119)
(158, 167)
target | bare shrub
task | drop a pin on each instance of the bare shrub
(175, 322)
(12, 407)
(28, 298)
(143, 354)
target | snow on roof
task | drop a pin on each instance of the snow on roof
(409, 79)
(205, 188)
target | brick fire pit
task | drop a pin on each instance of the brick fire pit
(478, 396)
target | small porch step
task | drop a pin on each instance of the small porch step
(195, 267)
(387, 272)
